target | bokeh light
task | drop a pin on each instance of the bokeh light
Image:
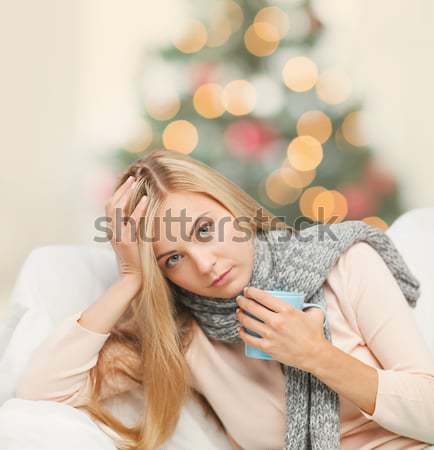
(323, 205)
(278, 191)
(300, 74)
(304, 153)
(233, 12)
(192, 37)
(226, 17)
(352, 129)
(162, 107)
(275, 17)
(307, 199)
(207, 100)
(261, 39)
(333, 86)
(181, 136)
(329, 206)
(239, 97)
(376, 221)
(266, 31)
(341, 206)
(295, 178)
(316, 124)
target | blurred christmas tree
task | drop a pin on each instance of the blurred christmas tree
(241, 89)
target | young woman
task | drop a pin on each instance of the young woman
(137, 337)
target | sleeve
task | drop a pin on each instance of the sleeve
(59, 369)
(405, 395)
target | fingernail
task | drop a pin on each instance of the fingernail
(244, 290)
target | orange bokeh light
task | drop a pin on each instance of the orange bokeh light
(376, 221)
(239, 97)
(207, 100)
(181, 136)
(316, 124)
(261, 39)
(300, 74)
(304, 153)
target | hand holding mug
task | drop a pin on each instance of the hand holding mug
(283, 330)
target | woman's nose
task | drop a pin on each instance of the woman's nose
(205, 262)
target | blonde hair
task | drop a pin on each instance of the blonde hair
(154, 333)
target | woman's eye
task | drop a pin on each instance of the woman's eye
(205, 226)
(168, 260)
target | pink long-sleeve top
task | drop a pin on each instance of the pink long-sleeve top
(369, 319)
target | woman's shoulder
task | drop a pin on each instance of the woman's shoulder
(359, 251)
(357, 256)
(353, 269)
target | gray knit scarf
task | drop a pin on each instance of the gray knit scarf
(301, 261)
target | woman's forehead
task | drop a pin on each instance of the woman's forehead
(193, 203)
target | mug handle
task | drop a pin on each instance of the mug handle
(314, 305)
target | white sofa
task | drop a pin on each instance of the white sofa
(56, 281)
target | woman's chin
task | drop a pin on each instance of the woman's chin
(231, 290)
(240, 281)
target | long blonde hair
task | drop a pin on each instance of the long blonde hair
(154, 333)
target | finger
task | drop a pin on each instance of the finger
(266, 299)
(122, 203)
(121, 190)
(256, 309)
(253, 324)
(110, 205)
(140, 207)
(251, 340)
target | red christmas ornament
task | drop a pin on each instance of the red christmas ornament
(377, 179)
(248, 138)
(361, 202)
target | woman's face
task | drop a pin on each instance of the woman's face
(194, 263)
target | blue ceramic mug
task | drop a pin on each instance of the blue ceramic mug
(296, 299)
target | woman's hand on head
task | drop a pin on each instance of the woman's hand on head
(123, 230)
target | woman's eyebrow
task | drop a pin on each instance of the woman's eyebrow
(190, 234)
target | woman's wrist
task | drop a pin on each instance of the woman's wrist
(131, 281)
(102, 315)
(318, 360)
(346, 375)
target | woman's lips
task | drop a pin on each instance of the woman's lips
(223, 279)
